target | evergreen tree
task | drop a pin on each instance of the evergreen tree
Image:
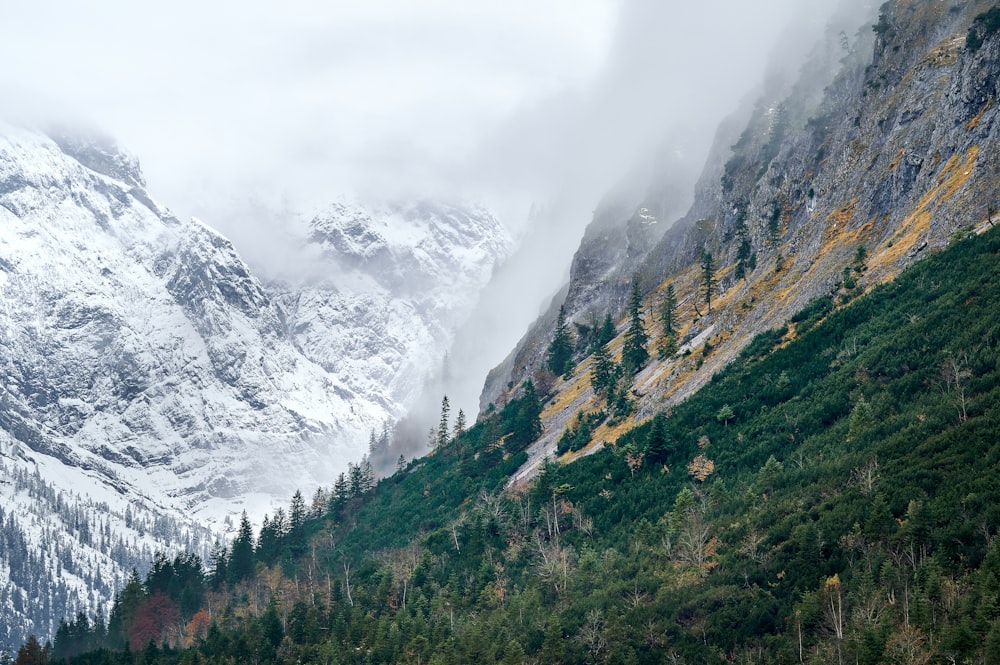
(296, 537)
(559, 358)
(355, 480)
(602, 370)
(367, 476)
(442, 432)
(634, 353)
(460, 424)
(241, 563)
(668, 317)
(746, 260)
(658, 444)
(527, 424)
(220, 567)
(606, 333)
(341, 493)
(708, 277)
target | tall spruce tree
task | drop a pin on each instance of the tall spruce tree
(634, 353)
(605, 333)
(241, 563)
(668, 318)
(708, 277)
(602, 370)
(442, 432)
(559, 358)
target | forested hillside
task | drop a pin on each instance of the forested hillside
(830, 497)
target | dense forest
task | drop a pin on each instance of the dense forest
(830, 497)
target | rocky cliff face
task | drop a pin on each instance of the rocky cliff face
(146, 369)
(834, 185)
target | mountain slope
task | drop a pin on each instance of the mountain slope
(863, 175)
(828, 497)
(145, 365)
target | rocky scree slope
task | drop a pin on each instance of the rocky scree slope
(895, 155)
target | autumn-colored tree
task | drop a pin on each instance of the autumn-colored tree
(197, 627)
(32, 653)
(154, 619)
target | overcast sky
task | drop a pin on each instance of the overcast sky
(308, 98)
(233, 105)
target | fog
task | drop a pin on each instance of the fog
(243, 113)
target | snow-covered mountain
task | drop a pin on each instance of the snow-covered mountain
(145, 368)
(399, 278)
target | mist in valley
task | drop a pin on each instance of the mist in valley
(252, 118)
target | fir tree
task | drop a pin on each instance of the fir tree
(634, 353)
(241, 564)
(658, 445)
(559, 358)
(442, 432)
(601, 370)
(296, 537)
(460, 424)
(668, 317)
(708, 277)
(606, 333)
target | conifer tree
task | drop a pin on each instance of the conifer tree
(668, 317)
(634, 353)
(296, 537)
(442, 432)
(601, 370)
(708, 277)
(658, 445)
(559, 358)
(606, 333)
(241, 564)
(460, 424)
(341, 492)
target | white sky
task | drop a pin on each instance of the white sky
(304, 97)
(241, 110)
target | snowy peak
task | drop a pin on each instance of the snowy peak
(411, 247)
(145, 366)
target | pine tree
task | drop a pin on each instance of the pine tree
(442, 432)
(606, 333)
(341, 493)
(296, 537)
(658, 445)
(634, 354)
(601, 370)
(459, 424)
(559, 358)
(668, 317)
(708, 277)
(355, 480)
(241, 564)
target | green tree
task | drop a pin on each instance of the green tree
(708, 283)
(460, 424)
(658, 443)
(442, 433)
(241, 563)
(602, 370)
(559, 358)
(725, 414)
(634, 353)
(605, 333)
(668, 318)
(296, 538)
